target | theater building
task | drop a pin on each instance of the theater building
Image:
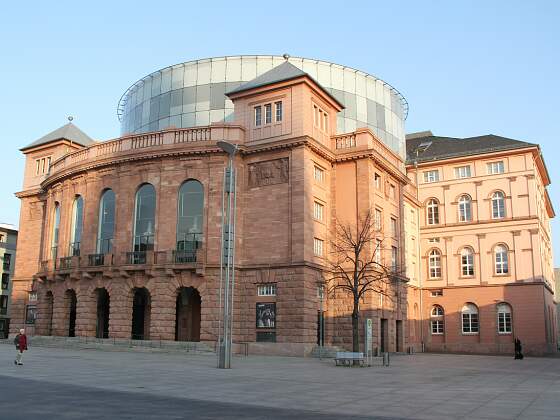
(121, 238)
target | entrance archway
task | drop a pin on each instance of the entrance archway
(102, 323)
(49, 304)
(141, 308)
(71, 303)
(187, 318)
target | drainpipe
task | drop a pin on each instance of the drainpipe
(418, 254)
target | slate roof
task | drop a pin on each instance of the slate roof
(68, 132)
(450, 147)
(281, 73)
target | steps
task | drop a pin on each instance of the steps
(115, 344)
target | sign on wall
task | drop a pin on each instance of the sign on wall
(269, 172)
(266, 315)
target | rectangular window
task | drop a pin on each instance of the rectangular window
(48, 164)
(319, 174)
(392, 191)
(504, 323)
(394, 258)
(318, 211)
(394, 228)
(495, 167)
(38, 162)
(431, 176)
(315, 116)
(266, 289)
(266, 315)
(278, 107)
(258, 116)
(433, 240)
(470, 323)
(30, 314)
(378, 220)
(318, 247)
(437, 326)
(326, 121)
(377, 181)
(3, 305)
(435, 293)
(5, 281)
(378, 250)
(268, 113)
(463, 172)
(7, 262)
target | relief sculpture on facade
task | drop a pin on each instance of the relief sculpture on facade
(269, 172)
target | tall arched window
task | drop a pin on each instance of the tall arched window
(504, 318)
(144, 220)
(436, 320)
(190, 216)
(77, 226)
(467, 262)
(432, 212)
(106, 227)
(501, 265)
(498, 205)
(469, 315)
(55, 231)
(434, 264)
(465, 213)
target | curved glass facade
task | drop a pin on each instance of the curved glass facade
(193, 94)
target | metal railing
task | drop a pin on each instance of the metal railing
(136, 257)
(95, 260)
(74, 250)
(65, 263)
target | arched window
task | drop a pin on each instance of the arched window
(498, 205)
(436, 320)
(77, 224)
(106, 222)
(501, 265)
(465, 213)
(504, 318)
(144, 220)
(469, 315)
(432, 212)
(55, 230)
(467, 262)
(434, 264)
(190, 216)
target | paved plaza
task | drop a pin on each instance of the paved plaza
(89, 384)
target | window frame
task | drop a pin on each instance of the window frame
(431, 176)
(504, 319)
(467, 267)
(464, 206)
(503, 263)
(257, 116)
(462, 172)
(267, 289)
(317, 170)
(499, 164)
(318, 211)
(432, 212)
(318, 247)
(471, 316)
(278, 111)
(498, 199)
(437, 320)
(267, 113)
(434, 264)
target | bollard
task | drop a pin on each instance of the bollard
(386, 359)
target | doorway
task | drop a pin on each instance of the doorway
(399, 338)
(49, 304)
(187, 315)
(383, 333)
(320, 328)
(72, 302)
(141, 314)
(102, 324)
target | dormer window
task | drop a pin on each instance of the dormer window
(320, 118)
(258, 116)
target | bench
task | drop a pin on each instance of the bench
(347, 358)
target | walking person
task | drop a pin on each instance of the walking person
(21, 345)
(518, 349)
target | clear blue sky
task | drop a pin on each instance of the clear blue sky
(466, 67)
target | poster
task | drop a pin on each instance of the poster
(266, 315)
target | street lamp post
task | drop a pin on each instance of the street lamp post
(227, 265)
(321, 291)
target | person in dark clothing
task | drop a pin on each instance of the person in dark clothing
(518, 349)
(21, 345)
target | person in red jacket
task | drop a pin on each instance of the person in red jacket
(21, 345)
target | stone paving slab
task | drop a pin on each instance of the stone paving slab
(421, 386)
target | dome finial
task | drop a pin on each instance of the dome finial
(286, 56)
(70, 118)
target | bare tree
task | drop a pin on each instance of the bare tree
(356, 265)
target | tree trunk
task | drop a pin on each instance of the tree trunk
(355, 330)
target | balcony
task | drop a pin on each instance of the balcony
(165, 139)
(99, 260)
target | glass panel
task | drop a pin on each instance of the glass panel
(248, 68)
(218, 71)
(203, 98)
(188, 120)
(164, 104)
(233, 73)
(350, 104)
(217, 96)
(204, 69)
(264, 64)
(177, 77)
(371, 112)
(324, 74)
(202, 118)
(310, 67)
(154, 109)
(166, 80)
(176, 106)
(77, 220)
(349, 80)
(216, 115)
(189, 99)
(163, 123)
(380, 115)
(189, 78)
(361, 84)
(147, 88)
(361, 108)
(337, 77)
(156, 84)
(175, 121)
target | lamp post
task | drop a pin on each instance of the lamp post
(321, 291)
(227, 266)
